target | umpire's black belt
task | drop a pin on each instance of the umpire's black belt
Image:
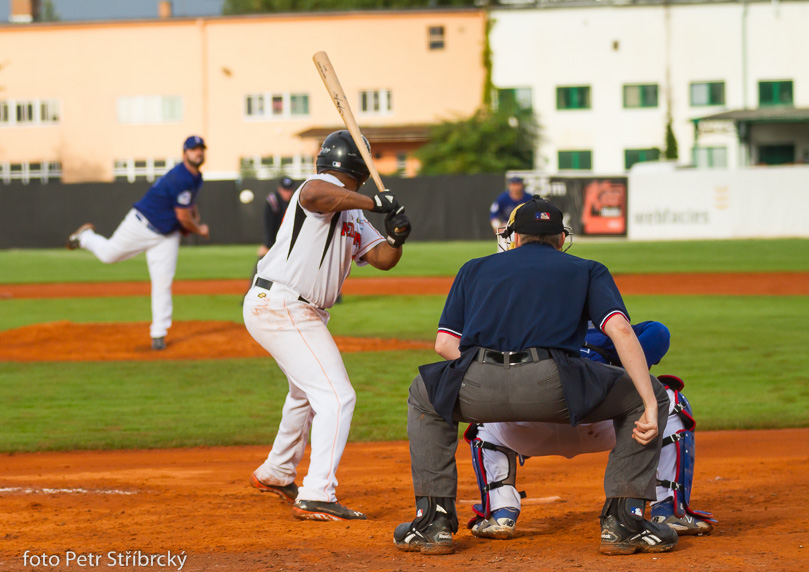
(513, 358)
(266, 284)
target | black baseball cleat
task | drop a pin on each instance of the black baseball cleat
(319, 510)
(435, 539)
(431, 531)
(625, 531)
(158, 343)
(287, 492)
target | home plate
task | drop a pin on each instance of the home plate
(537, 500)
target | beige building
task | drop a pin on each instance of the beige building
(100, 101)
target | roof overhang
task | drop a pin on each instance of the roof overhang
(416, 133)
(760, 115)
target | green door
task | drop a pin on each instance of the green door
(776, 154)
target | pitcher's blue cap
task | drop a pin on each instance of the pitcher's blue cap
(193, 142)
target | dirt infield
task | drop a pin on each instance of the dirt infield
(197, 503)
(68, 341)
(750, 284)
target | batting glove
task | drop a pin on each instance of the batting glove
(386, 203)
(398, 228)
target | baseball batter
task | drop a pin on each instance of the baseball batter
(154, 225)
(496, 446)
(285, 311)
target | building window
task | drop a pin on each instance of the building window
(376, 102)
(25, 112)
(640, 95)
(774, 93)
(577, 97)
(299, 104)
(49, 111)
(43, 171)
(707, 93)
(515, 98)
(144, 110)
(273, 166)
(133, 170)
(632, 156)
(254, 105)
(710, 157)
(30, 112)
(281, 105)
(575, 160)
(436, 37)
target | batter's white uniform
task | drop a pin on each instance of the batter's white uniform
(310, 259)
(132, 237)
(535, 439)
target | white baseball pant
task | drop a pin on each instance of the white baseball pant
(320, 393)
(536, 439)
(132, 237)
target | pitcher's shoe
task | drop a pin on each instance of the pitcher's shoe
(73, 239)
(435, 539)
(159, 343)
(688, 525)
(499, 526)
(319, 510)
(286, 492)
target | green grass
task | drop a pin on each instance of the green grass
(743, 358)
(422, 259)
(121, 405)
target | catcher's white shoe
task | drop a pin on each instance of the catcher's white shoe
(499, 526)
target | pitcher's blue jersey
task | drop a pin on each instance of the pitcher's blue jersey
(176, 189)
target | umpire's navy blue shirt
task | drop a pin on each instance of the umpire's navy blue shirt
(531, 296)
(176, 189)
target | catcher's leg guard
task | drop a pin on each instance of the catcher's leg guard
(676, 476)
(483, 510)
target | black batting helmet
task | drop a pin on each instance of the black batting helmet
(340, 153)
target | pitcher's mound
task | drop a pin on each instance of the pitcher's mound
(69, 341)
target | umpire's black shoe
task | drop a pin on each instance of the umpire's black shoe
(318, 510)
(625, 531)
(431, 531)
(436, 538)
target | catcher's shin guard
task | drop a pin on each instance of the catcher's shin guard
(484, 509)
(683, 442)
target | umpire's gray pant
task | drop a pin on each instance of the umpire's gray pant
(528, 392)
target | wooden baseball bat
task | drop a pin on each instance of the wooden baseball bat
(338, 96)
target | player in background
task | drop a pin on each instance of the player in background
(154, 225)
(286, 312)
(507, 201)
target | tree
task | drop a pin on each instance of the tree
(48, 12)
(487, 142)
(671, 142)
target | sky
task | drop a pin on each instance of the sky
(123, 9)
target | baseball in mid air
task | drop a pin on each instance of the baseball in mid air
(246, 196)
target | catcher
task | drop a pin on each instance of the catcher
(496, 447)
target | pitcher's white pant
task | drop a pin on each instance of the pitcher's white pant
(535, 439)
(131, 238)
(320, 393)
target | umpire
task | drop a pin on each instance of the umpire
(510, 333)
